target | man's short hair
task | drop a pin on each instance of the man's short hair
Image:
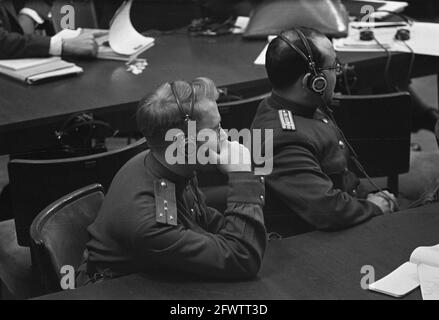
(158, 112)
(284, 65)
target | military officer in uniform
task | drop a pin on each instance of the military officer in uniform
(312, 185)
(154, 217)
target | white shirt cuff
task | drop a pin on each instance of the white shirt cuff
(55, 46)
(32, 14)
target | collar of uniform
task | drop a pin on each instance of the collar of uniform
(278, 102)
(160, 171)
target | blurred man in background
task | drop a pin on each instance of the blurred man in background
(18, 38)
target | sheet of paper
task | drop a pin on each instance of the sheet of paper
(398, 283)
(421, 35)
(260, 60)
(124, 39)
(20, 64)
(394, 6)
(429, 280)
(240, 25)
(426, 255)
(56, 73)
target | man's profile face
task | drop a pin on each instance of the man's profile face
(330, 60)
(210, 123)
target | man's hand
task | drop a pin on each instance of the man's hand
(82, 46)
(233, 157)
(384, 200)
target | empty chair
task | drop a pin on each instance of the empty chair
(239, 114)
(59, 233)
(34, 184)
(85, 14)
(378, 127)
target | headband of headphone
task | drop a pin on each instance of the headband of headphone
(314, 80)
(186, 116)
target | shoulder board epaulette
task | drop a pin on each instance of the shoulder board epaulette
(165, 202)
(286, 120)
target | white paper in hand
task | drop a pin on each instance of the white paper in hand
(124, 39)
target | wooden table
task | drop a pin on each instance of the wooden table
(316, 265)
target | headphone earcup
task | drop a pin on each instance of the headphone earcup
(318, 83)
(402, 35)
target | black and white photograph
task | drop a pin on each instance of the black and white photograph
(219, 158)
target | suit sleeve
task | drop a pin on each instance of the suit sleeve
(299, 181)
(233, 246)
(14, 45)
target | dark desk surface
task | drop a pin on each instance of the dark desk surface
(29, 115)
(227, 60)
(316, 265)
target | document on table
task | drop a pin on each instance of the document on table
(422, 39)
(422, 269)
(260, 60)
(123, 38)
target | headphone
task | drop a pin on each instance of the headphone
(78, 131)
(190, 142)
(313, 80)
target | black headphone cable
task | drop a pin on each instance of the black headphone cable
(329, 113)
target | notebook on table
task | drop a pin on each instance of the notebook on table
(32, 71)
(422, 270)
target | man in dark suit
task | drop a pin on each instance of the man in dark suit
(18, 40)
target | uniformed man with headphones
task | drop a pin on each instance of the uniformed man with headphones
(154, 218)
(312, 185)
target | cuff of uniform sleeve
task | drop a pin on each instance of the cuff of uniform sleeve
(55, 46)
(245, 187)
(32, 14)
(376, 211)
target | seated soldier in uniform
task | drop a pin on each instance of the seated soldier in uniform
(154, 217)
(18, 38)
(312, 185)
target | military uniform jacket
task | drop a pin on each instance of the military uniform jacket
(311, 186)
(126, 236)
(13, 44)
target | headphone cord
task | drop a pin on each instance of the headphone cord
(347, 86)
(354, 157)
(412, 62)
(389, 59)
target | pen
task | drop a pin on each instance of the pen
(381, 26)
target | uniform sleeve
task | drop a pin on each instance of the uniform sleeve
(299, 181)
(14, 45)
(234, 247)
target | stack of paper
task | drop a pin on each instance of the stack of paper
(34, 70)
(422, 269)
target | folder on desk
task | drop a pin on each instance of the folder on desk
(32, 71)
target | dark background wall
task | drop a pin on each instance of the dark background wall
(149, 14)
